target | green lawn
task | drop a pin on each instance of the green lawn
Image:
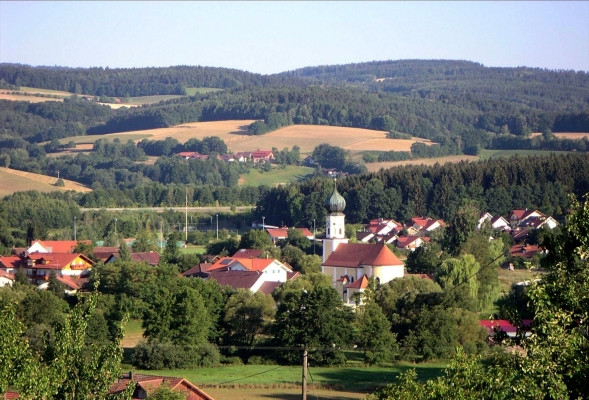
(276, 176)
(507, 278)
(200, 90)
(192, 249)
(358, 379)
(487, 154)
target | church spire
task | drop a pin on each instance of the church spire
(335, 203)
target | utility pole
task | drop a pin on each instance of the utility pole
(314, 236)
(75, 233)
(186, 218)
(304, 383)
(217, 216)
(263, 223)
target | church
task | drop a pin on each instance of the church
(350, 265)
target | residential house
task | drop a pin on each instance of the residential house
(10, 263)
(54, 246)
(145, 385)
(381, 226)
(40, 265)
(255, 274)
(262, 156)
(497, 223)
(6, 279)
(243, 156)
(424, 225)
(149, 257)
(104, 252)
(503, 325)
(248, 253)
(72, 284)
(282, 233)
(525, 250)
(530, 219)
(410, 242)
(192, 155)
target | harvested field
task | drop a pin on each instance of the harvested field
(234, 134)
(307, 137)
(565, 135)
(373, 167)
(24, 97)
(12, 181)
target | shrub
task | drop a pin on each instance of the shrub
(157, 355)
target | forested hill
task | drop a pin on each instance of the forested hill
(125, 82)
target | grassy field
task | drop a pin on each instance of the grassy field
(249, 381)
(18, 181)
(192, 249)
(275, 176)
(487, 154)
(507, 278)
(133, 333)
(374, 167)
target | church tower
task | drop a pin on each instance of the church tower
(335, 232)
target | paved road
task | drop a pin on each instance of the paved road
(162, 209)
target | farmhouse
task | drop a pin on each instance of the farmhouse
(39, 265)
(259, 156)
(346, 263)
(424, 225)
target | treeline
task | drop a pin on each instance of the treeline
(39, 122)
(130, 82)
(496, 185)
(170, 146)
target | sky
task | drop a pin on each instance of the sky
(274, 36)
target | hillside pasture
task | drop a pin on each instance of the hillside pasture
(374, 167)
(12, 181)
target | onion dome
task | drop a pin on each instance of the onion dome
(335, 203)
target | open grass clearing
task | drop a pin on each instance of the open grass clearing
(487, 154)
(133, 333)
(12, 181)
(507, 278)
(193, 249)
(374, 167)
(275, 176)
(276, 377)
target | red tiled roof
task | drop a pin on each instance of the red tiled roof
(60, 246)
(103, 253)
(10, 262)
(360, 254)
(235, 279)
(251, 264)
(248, 253)
(404, 241)
(56, 260)
(361, 283)
(150, 257)
(524, 250)
(4, 274)
(149, 383)
(283, 232)
(269, 287)
(422, 276)
(261, 153)
(199, 270)
(71, 282)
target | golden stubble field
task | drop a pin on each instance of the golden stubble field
(234, 134)
(12, 180)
